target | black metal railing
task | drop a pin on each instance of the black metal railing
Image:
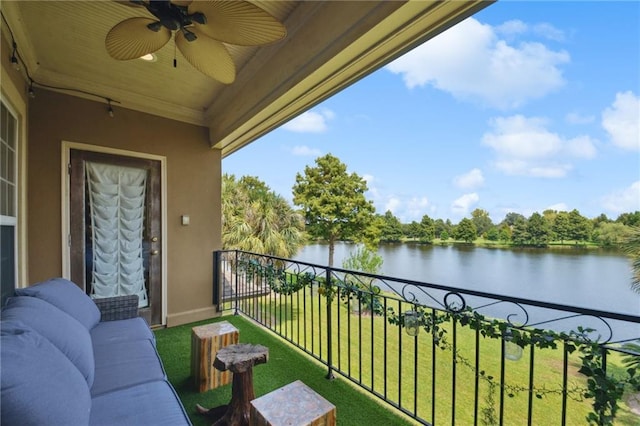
(438, 354)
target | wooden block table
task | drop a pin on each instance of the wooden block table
(206, 341)
(293, 404)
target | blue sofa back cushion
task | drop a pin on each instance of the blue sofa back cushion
(64, 331)
(40, 386)
(67, 297)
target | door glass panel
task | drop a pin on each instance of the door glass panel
(116, 220)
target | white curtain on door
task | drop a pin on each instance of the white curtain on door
(117, 200)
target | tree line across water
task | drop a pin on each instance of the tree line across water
(332, 206)
(539, 230)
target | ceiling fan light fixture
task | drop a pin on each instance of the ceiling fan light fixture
(149, 57)
(155, 26)
(198, 18)
(189, 35)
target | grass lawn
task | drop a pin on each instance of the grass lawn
(286, 364)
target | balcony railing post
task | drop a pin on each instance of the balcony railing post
(217, 300)
(329, 299)
(235, 274)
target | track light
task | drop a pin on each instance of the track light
(32, 93)
(110, 109)
(14, 58)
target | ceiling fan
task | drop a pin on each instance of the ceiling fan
(201, 28)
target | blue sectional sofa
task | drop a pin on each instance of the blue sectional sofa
(67, 360)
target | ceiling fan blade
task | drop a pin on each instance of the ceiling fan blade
(208, 56)
(238, 22)
(130, 3)
(131, 39)
(181, 2)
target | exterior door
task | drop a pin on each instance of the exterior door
(115, 228)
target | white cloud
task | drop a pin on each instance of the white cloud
(371, 187)
(624, 200)
(581, 147)
(548, 31)
(392, 204)
(462, 206)
(305, 151)
(471, 62)
(524, 146)
(516, 27)
(577, 118)
(512, 27)
(622, 121)
(310, 122)
(470, 180)
(416, 208)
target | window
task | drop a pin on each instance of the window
(8, 200)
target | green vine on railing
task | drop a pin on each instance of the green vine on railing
(604, 389)
(277, 278)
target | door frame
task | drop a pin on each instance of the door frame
(12, 96)
(67, 146)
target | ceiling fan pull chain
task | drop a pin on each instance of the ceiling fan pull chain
(175, 60)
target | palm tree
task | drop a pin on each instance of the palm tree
(257, 219)
(632, 248)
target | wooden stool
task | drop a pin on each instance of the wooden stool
(293, 404)
(206, 341)
(240, 360)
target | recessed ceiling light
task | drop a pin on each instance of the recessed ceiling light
(149, 57)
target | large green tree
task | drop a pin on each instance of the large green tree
(466, 231)
(427, 229)
(256, 219)
(538, 230)
(611, 233)
(579, 226)
(481, 220)
(520, 231)
(561, 227)
(630, 219)
(333, 202)
(391, 229)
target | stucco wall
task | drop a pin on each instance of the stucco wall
(193, 188)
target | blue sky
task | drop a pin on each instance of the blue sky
(523, 107)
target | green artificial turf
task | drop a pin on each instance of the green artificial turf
(286, 364)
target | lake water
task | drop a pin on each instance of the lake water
(593, 279)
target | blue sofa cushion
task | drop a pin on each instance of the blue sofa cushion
(40, 386)
(67, 334)
(67, 297)
(121, 331)
(153, 403)
(123, 364)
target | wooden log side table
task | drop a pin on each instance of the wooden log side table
(239, 359)
(206, 341)
(293, 404)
